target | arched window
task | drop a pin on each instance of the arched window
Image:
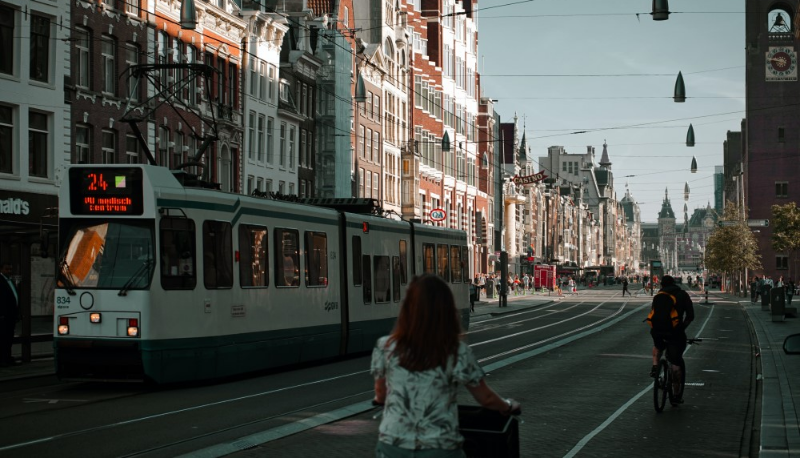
(485, 161)
(779, 21)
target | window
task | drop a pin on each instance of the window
(7, 37)
(253, 256)
(271, 82)
(356, 252)
(316, 259)
(108, 63)
(178, 155)
(429, 261)
(456, 264)
(465, 265)
(287, 258)
(368, 149)
(38, 144)
(375, 186)
(382, 279)
(132, 58)
(781, 189)
(260, 143)
(782, 262)
(132, 7)
(368, 184)
(302, 151)
(361, 182)
(362, 131)
(217, 255)
(404, 263)
(442, 262)
(177, 249)
(283, 90)
(252, 134)
(6, 140)
(269, 147)
(376, 141)
(82, 39)
(367, 280)
(40, 49)
(83, 145)
(132, 149)
(282, 145)
(108, 147)
(164, 139)
(396, 279)
(291, 151)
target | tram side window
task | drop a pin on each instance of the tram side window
(382, 279)
(217, 255)
(442, 262)
(287, 258)
(403, 261)
(465, 265)
(316, 259)
(177, 250)
(356, 247)
(396, 279)
(367, 280)
(429, 261)
(456, 264)
(253, 269)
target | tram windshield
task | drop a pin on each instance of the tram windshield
(109, 255)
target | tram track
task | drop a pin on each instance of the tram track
(512, 343)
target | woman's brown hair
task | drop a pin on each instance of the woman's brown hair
(427, 331)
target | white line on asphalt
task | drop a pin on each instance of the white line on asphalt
(583, 442)
(361, 407)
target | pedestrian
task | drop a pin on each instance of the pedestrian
(754, 289)
(417, 369)
(626, 286)
(526, 282)
(790, 291)
(571, 285)
(9, 314)
(481, 284)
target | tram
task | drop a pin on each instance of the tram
(161, 280)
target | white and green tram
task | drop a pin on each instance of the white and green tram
(163, 280)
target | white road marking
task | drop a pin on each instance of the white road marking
(583, 442)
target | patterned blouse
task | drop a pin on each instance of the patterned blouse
(420, 411)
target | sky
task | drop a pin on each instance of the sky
(593, 65)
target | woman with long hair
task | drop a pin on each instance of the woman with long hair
(417, 370)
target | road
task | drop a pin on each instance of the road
(579, 366)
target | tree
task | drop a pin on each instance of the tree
(732, 248)
(785, 236)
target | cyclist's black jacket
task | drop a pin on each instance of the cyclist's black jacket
(684, 306)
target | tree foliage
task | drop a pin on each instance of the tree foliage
(785, 227)
(732, 248)
(785, 237)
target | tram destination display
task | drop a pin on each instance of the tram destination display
(106, 191)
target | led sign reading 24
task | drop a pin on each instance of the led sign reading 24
(106, 191)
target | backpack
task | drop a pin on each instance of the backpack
(663, 316)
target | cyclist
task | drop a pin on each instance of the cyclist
(675, 341)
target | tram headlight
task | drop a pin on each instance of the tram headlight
(133, 327)
(94, 317)
(63, 326)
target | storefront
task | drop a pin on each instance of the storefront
(28, 239)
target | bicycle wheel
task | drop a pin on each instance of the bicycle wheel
(677, 399)
(661, 386)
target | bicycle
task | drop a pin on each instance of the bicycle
(663, 381)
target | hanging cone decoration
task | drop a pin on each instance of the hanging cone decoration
(361, 93)
(691, 137)
(686, 191)
(694, 166)
(678, 91)
(446, 142)
(660, 10)
(188, 18)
